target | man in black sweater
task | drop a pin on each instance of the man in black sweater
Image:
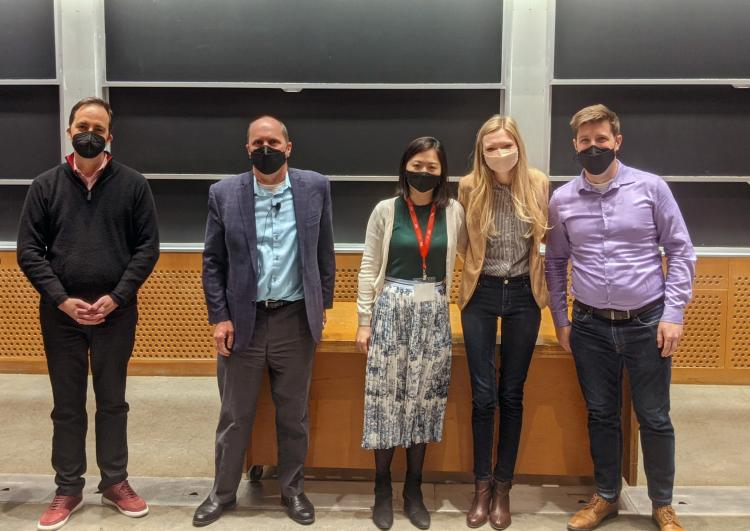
(87, 240)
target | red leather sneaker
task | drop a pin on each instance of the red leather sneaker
(123, 497)
(59, 511)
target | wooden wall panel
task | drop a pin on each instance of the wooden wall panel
(704, 341)
(20, 335)
(174, 336)
(173, 321)
(739, 316)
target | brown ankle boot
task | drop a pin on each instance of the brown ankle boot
(593, 513)
(500, 508)
(480, 507)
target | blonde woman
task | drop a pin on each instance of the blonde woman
(404, 322)
(503, 276)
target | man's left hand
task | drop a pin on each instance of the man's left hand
(325, 318)
(103, 307)
(668, 338)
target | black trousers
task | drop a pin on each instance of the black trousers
(283, 345)
(69, 346)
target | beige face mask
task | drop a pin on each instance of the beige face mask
(502, 160)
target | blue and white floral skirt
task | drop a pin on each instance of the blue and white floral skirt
(408, 368)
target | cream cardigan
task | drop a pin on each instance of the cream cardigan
(378, 241)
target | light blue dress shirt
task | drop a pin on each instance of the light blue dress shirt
(278, 268)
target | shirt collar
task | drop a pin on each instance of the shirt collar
(71, 160)
(260, 191)
(622, 177)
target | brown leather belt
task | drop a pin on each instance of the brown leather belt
(617, 315)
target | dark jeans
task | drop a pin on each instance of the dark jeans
(68, 346)
(515, 304)
(601, 348)
(282, 345)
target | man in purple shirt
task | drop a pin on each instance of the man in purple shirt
(609, 223)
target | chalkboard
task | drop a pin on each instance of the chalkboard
(323, 41)
(336, 132)
(716, 214)
(668, 130)
(182, 210)
(29, 130)
(652, 39)
(182, 207)
(11, 204)
(27, 39)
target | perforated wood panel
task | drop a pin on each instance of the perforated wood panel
(455, 283)
(739, 329)
(19, 315)
(347, 271)
(703, 342)
(173, 322)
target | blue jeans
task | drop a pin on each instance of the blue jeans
(601, 348)
(515, 304)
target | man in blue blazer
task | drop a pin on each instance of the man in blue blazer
(268, 278)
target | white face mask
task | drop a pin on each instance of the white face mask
(502, 160)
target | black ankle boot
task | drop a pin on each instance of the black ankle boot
(382, 511)
(414, 504)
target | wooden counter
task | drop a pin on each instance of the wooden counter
(554, 440)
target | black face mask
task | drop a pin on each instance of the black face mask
(596, 160)
(267, 160)
(422, 181)
(89, 145)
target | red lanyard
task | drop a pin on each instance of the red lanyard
(423, 241)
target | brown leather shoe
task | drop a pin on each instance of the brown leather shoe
(593, 513)
(666, 518)
(500, 508)
(480, 507)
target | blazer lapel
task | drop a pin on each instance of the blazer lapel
(247, 212)
(298, 198)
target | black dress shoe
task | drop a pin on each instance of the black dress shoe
(299, 508)
(209, 511)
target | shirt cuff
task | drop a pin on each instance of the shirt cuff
(59, 299)
(560, 318)
(364, 319)
(672, 314)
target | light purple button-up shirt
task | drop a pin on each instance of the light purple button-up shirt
(613, 239)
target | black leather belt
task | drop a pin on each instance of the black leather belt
(273, 305)
(513, 281)
(617, 315)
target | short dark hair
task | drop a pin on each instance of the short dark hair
(440, 195)
(91, 101)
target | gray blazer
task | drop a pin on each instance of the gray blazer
(230, 255)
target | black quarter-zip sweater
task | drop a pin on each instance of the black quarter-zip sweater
(73, 242)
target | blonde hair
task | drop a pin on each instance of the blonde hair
(525, 201)
(595, 113)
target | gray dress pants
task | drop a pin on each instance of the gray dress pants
(282, 343)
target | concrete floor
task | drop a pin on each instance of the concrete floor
(178, 518)
(179, 414)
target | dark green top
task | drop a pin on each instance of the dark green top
(404, 260)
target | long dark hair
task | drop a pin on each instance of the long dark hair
(440, 194)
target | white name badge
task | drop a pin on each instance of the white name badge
(424, 292)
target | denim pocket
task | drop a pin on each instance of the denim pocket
(650, 317)
(581, 315)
